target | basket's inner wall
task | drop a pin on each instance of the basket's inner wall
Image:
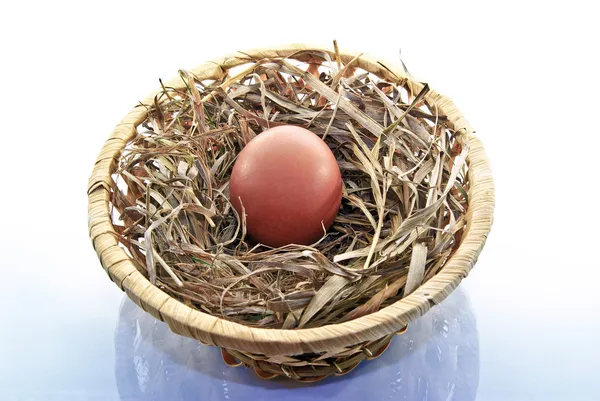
(403, 207)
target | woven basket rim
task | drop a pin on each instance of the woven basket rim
(213, 330)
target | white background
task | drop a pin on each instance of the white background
(526, 75)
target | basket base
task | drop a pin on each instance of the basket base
(308, 368)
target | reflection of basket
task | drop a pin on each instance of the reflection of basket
(436, 359)
(304, 354)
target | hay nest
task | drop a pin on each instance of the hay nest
(403, 206)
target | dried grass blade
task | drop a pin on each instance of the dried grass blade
(150, 260)
(344, 104)
(417, 268)
(374, 304)
(417, 99)
(331, 287)
(168, 269)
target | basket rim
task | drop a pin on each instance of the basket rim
(213, 330)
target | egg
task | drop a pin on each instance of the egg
(289, 184)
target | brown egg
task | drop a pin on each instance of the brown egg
(290, 185)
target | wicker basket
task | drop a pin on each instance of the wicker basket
(304, 354)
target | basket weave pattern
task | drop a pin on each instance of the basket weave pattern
(304, 354)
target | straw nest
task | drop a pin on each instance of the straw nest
(405, 192)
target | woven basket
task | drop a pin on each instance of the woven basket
(304, 354)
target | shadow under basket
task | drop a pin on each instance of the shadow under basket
(309, 354)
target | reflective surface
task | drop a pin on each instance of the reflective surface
(436, 359)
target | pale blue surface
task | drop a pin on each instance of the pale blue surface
(93, 343)
(436, 359)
